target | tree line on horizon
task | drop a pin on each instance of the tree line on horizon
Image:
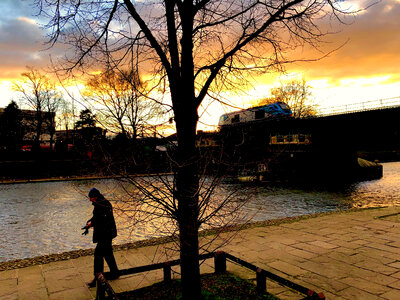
(122, 104)
(119, 99)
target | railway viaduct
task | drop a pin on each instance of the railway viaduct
(327, 148)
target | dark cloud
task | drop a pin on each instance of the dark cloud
(21, 42)
(20, 33)
(372, 48)
(21, 38)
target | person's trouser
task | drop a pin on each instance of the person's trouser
(104, 250)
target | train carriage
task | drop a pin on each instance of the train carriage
(273, 110)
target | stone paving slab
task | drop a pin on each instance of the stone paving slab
(345, 255)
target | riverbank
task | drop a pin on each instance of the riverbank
(381, 157)
(45, 259)
(73, 178)
(346, 255)
(56, 179)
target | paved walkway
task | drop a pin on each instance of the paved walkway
(348, 255)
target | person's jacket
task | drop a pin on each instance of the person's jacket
(103, 222)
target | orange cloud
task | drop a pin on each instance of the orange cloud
(372, 47)
(371, 51)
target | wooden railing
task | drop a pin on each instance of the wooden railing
(105, 291)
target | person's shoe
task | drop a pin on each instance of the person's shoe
(92, 284)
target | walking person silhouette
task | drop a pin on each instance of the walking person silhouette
(104, 230)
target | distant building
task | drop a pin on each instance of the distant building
(30, 122)
(206, 139)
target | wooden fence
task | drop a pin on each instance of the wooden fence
(105, 291)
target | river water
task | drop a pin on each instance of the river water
(44, 218)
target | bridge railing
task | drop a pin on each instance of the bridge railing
(359, 107)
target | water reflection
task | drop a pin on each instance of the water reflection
(43, 218)
(376, 193)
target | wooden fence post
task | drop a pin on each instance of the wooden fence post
(100, 292)
(167, 271)
(261, 281)
(220, 262)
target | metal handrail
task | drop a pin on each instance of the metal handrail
(359, 107)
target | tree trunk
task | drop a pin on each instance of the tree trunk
(187, 184)
(181, 82)
(51, 141)
(36, 144)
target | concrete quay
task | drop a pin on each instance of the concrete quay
(346, 255)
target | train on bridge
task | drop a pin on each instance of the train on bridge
(258, 113)
(268, 142)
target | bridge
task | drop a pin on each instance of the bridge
(392, 102)
(324, 145)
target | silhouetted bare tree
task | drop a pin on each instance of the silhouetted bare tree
(296, 94)
(120, 97)
(193, 48)
(38, 92)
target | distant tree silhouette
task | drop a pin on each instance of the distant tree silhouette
(11, 127)
(87, 134)
(86, 120)
(38, 92)
(296, 94)
(121, 101)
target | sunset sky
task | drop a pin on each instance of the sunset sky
(366, 68)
